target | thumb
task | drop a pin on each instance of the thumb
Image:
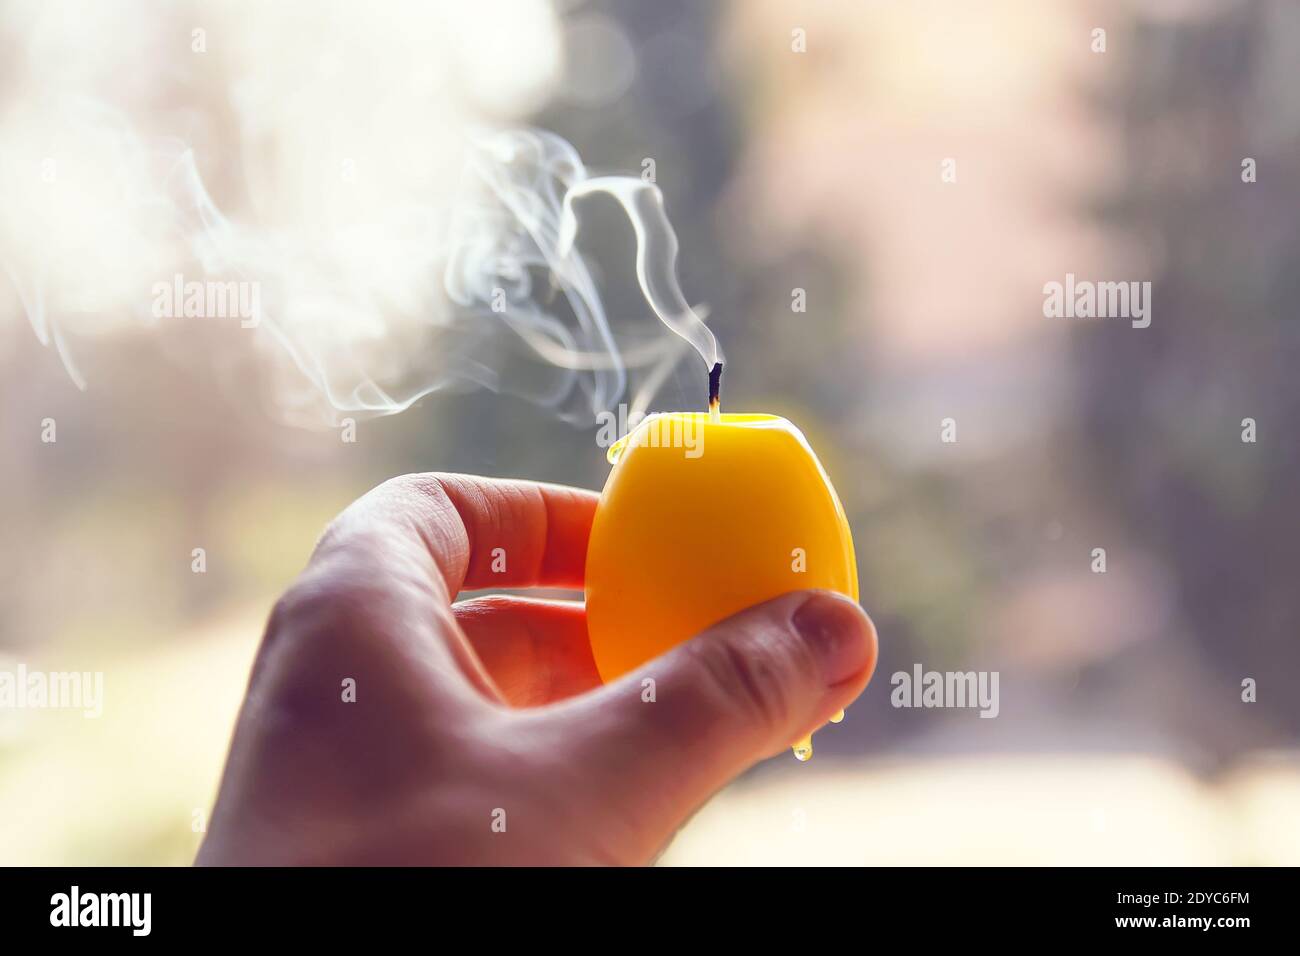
(748, 687)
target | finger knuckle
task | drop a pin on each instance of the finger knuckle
(319, 607)
(751, 676)
(423, 484)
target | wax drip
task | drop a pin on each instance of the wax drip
(803, 749)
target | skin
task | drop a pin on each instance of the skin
(493, 704)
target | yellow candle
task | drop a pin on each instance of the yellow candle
(702, 516)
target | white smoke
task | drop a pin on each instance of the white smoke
(517, 222)
(396, 248)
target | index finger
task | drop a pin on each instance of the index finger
(477, 532)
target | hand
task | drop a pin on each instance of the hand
(480, 732)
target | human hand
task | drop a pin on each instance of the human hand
(480, 732)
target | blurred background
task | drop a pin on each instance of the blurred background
(798, 146)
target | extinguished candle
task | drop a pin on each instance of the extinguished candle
(702, 516)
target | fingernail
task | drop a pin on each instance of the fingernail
(837, 631)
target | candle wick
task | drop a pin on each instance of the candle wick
(715, 392)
